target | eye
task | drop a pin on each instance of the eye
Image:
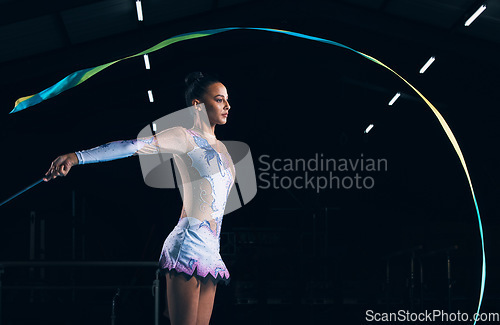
(218, 100)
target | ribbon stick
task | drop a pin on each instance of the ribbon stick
(78, 77)
(21, 192)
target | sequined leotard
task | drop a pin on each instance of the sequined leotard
(207, 176)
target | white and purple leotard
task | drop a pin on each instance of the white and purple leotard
(193, 246)
(207, 173)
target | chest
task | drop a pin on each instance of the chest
(208, 161)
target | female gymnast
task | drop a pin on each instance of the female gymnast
(190, 257)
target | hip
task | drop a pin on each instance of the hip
(193, 231)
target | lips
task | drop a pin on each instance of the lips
(225, 115)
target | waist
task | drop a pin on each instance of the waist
(197, 228)
(188, 222)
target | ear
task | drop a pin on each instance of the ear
(196, 103)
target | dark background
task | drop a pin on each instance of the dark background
(295, 255)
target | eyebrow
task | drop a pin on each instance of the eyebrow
(221, 96)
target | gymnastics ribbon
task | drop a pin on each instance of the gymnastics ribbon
(78, 77)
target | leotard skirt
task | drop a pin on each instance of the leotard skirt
(192, 249)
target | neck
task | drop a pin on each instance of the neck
(208, 130)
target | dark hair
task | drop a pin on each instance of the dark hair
(197, 84)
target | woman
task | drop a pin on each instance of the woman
(190, 256)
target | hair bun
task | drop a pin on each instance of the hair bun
(197, 84)
(193, 77)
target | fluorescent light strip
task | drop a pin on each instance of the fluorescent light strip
(139, 10)
(475, 15)
(369, 128)
(428, 64)
(150, 94)
(393, 100)
(146, 61)
(154, 127)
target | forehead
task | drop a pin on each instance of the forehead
(217, 89)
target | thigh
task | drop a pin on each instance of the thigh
(165, 313)
(182, 297)
(206, 302)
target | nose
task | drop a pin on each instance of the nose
(227, 106)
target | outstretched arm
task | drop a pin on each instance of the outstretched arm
(116, 150)
(170, 140)
(106, 152)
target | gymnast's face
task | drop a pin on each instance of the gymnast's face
(216, 103)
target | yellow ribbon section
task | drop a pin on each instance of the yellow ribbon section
(454, 142)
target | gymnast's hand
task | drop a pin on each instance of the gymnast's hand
(61, 166)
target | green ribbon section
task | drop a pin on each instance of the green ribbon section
(78, 77)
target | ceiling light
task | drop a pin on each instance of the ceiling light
(369, 128)
(393, 100)
(139, 10)
(475, 15)
(150, 94)
(146, 61)
(428, 64)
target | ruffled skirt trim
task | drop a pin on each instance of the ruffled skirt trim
(193, 250)
(204, 279)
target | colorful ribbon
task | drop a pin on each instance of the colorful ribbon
(78, 77)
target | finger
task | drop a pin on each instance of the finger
(57, 162)
(50, 174)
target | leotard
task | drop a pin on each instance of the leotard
(207, 176)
